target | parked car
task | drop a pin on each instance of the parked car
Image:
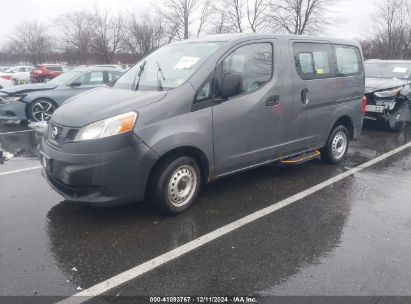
(18, 74)
(46, 72)
(4, 68)
(385, 79)
(4, 83)
(202, 109)
(37, 102)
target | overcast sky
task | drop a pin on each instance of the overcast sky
(349, 17)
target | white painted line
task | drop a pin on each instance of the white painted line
(20, 170)
(24, 131)
(137, 271)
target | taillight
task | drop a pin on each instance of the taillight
(7, 77)
(364, 105)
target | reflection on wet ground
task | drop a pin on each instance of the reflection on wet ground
(334, 242)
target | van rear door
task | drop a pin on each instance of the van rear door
(314, 93)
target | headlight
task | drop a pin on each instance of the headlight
(108, 127)
(10, 99)
(388, 93)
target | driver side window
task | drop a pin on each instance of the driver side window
(253, 63)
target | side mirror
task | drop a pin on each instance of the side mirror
(232, 85)
(75, 84)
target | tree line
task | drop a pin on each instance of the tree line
(100, 36)
(390, 37)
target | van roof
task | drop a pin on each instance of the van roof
(245, 36)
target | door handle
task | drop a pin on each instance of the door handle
(305, 99)
(272, 100)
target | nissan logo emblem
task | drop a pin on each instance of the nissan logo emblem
(54, 132)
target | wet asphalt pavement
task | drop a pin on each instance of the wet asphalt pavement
(350, 238)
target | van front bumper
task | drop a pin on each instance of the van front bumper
(111, 177)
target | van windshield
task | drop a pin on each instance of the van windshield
(168, 67)
(387, 70)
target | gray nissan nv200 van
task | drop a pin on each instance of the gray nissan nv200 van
(197, 110)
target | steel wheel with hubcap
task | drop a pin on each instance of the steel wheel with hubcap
(182, 185)
(337, 145)
(41, 110)
(174, 184)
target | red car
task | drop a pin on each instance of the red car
(45, 72)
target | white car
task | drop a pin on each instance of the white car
(4, 83)
(18, 74)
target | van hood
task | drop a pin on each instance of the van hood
(27, 88)
(101, 103)
(377, 84)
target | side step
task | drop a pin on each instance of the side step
(301, 158)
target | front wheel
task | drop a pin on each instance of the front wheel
(41, 110)
(175, 184)
(337, 146)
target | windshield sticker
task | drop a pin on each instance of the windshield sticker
(400, 70)
(186, 63)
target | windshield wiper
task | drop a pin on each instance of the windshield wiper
(160, 71)
(140, 72)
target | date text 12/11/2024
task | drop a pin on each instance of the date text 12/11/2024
(204, 299)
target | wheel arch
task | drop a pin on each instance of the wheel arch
(347, 122)
(191, 151)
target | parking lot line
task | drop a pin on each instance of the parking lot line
(20, 170)
(139, 270)
(12, 132)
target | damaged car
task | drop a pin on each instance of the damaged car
(37, 102)
(387, 90)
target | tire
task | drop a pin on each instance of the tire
(41, 110)
(174, 184)
(337, 145)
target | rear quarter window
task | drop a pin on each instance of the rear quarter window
(313, 60)
(348, 60)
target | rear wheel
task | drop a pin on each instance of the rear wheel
(41, 110)
(175, 184)
(337, 145)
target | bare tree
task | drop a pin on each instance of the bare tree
(107, 35)
(256, 10)
(76, 34)
(300, 16)
(179, 15)
(206, 13)
(390, 37)
(231, 12)
(32, 39)
(144, 34)
(219, 24)
(392, 28)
